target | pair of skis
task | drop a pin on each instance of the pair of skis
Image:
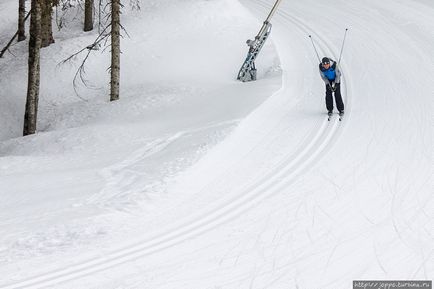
(341, 116)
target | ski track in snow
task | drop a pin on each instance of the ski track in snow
(322, 137)
(318, 141)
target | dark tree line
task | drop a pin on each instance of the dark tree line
(41, 35)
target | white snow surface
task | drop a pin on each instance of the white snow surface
(194, 180)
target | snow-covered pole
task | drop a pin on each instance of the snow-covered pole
(342, 48)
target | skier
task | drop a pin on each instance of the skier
(331, 75)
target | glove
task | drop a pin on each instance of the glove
(333, 87)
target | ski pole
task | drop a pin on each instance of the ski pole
(314, 47)
(342, 48)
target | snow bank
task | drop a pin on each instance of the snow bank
(94, 165)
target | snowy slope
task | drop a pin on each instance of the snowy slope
(96, 166)
(287, 200)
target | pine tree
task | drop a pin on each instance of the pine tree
(21, 20)
(30, 116)
(115, 50)
(46, 22)
(88, 15)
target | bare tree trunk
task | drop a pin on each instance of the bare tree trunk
(21, 20)
(46, 23)
(116, 50)
(88, 15)
(31, 113)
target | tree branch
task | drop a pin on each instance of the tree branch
(13, 38)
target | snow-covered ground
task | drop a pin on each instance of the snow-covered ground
(193, 180)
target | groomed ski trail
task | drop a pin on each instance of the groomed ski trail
(315, 144)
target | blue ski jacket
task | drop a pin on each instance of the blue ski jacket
(333, 74)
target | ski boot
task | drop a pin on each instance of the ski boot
(341, 115)
(330, 113)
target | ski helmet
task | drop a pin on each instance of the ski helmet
(325, 60)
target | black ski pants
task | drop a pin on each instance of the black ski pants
(338, 98)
